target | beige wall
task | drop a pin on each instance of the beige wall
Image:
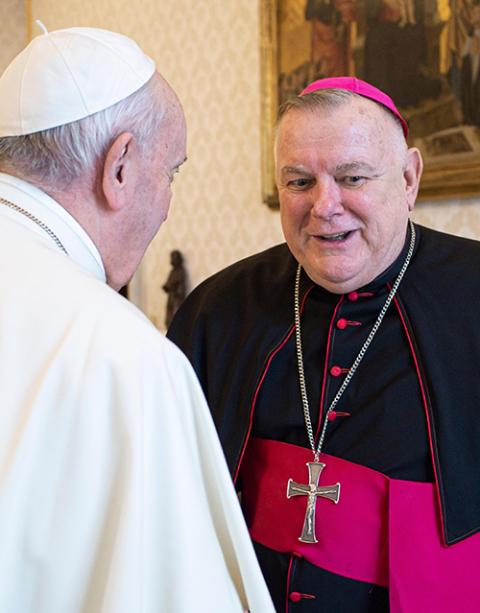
(13, 34)
(209, 52)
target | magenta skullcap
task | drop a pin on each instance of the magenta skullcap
(362, 88)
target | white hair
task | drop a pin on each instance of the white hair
(54, 158)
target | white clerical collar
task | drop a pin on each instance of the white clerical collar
(76, 241)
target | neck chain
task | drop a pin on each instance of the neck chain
(39, 223)
(358, 359)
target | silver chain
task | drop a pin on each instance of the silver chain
(39, 223)
(358, 359)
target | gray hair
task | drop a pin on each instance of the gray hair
(320, 99)
(54, 158)
(326, 99)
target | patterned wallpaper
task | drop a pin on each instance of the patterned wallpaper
(209, 52)
(13, 31)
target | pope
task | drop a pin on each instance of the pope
(115, 496)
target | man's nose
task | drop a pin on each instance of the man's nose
(326, 199)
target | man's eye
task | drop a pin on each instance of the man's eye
(299, 183)
(354, 180)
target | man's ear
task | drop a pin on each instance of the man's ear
(412, 174)
(119, 171)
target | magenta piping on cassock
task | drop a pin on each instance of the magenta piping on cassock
(272, 354)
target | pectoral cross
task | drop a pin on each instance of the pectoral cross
(312, 490)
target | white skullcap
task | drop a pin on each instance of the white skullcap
(65, 75)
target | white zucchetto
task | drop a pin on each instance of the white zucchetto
(65, 75)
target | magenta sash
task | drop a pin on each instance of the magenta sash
(382, 531)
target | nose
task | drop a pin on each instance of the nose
(327, 199)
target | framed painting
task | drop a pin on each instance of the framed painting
(424, 53)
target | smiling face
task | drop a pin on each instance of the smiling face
(346, 183)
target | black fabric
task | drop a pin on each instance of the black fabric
(386, 430)
(231, 323)
(332, 593)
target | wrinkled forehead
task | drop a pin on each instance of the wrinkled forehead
(354, 134)
(361, 114)
(329, 97)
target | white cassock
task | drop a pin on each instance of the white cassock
(115, 496)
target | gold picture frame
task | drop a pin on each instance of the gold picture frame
(441, 124)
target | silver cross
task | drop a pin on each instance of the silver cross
(312, 490)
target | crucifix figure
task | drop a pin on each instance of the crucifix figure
(312, 490)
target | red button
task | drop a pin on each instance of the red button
(342, 324)
(353, 296)
(335, 371)
(332, 416)
(295, 596)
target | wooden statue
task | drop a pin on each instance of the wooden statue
(175, 285)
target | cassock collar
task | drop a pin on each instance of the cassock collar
(390, 274)
(78, 244)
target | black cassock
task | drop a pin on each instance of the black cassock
(413, 398)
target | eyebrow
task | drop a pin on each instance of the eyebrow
(177, 166)
(295, 170)
(348, 167)
(355, 167)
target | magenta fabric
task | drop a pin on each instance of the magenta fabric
(352, 534)
(362, 88)
(425, 575)
(382, 531)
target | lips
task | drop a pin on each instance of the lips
(333, 238)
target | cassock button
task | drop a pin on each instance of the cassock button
(335, 371)
(295, 596)
(353, 296)
(342, 324)
(332, 416)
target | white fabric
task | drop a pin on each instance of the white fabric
(115, 496)
(66, 75)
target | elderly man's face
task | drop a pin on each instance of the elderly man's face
(346, 184)
(159, 168)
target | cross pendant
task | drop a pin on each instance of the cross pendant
(312, 490)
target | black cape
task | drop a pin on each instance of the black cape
(230, 323)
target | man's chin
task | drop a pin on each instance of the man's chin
(336, 282)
